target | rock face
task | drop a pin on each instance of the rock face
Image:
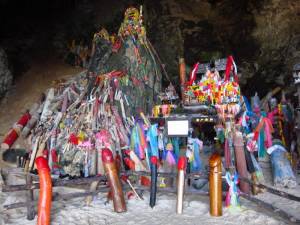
(200, 30)
(277, 31)
(263, 36)
(5, 74)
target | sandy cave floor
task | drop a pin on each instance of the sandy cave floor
(196, 209)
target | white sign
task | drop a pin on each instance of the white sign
(178, 127)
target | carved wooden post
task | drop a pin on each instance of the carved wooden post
(215, 185)
(114, 181)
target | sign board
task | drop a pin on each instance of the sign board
(177, 127)
(220, 65)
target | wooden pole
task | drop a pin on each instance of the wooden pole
(33, 154)
(272, 190)
(58, 197)
(88, 180)
(275, 210)
(182, 76)
(29, 198)
(55, 183)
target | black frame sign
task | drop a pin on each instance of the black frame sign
(177, 127)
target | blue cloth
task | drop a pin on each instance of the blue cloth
(197, 164)
(152, 137)
(175, 143)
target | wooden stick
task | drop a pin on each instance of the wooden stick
(55, 183)
(164, 174)
(88, 180)
(32, 122)
(272, 190)
(58, 197)
(93, 187)
(40, 150)
(2, 178)
(133, 189)
(46, 112)
(33, 154)
(77, 101)
(173, 190)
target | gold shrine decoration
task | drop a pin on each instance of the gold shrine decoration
(132, 14)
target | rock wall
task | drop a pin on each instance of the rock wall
(5, 74)
(199, 30)
(277, 31)
(262, 35)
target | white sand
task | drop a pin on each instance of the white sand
(196, 211)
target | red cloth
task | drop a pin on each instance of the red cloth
(24, 119)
